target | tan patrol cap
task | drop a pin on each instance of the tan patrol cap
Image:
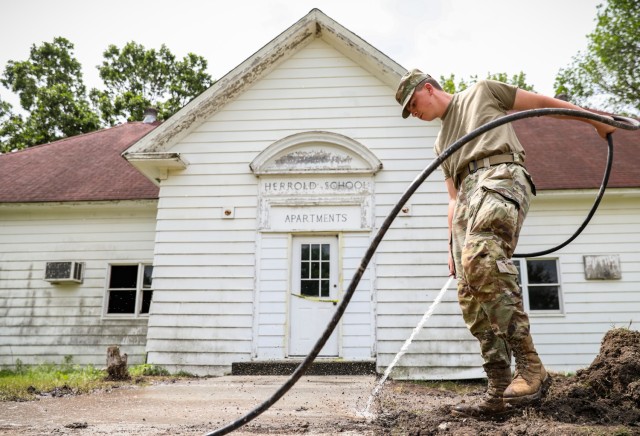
(407, 87)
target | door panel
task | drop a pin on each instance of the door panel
(314, 289)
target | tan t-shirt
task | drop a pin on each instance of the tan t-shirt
(470, 109)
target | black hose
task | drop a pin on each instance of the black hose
(620, 122)
(603, 186)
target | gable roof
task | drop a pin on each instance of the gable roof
(560, 154)
(312, 26)
(86, 167)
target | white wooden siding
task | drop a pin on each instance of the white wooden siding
(316, 89)
(42, 322)
(207, 270)
(358, 322)
(272, 312)
(571, 340)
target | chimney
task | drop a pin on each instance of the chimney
(150, 115)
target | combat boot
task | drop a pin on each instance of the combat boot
(492, 405)
(530, 380)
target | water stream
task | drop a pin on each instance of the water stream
(405, 347)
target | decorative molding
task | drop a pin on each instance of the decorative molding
(316, 152)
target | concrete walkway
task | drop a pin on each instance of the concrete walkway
(318, 405)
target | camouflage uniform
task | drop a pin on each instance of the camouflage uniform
(491, 206)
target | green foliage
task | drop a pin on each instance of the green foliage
(52, 93)
(137, 78)
(10, 127)
(451, 85)
(148, 370)
(608, 72)
(51, 90)
(25, 382)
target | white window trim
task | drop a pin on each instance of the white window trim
(525, 288)
(139, 291)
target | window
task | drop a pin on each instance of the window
(129, 291)
(315, 268)
(540, 283)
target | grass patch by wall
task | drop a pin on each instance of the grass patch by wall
(25, 383)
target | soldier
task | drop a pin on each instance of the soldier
(489, 192)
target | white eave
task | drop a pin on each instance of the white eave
(313, 25)
(156, 165)
(563, 194)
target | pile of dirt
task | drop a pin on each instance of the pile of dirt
(603, 398)
(615, 373)
(608, 391)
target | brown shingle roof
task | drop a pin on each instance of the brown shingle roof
(86, 167)
(561, 154)
(568, 154)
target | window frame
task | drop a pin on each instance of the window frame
(525, 285)
(140, 288)
(319, 275)
(295, 264)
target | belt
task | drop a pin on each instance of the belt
(487, 162)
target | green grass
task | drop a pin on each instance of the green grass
(25, 383)
(148, 370)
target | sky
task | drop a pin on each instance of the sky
(441, 37)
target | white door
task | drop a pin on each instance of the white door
(314, 293)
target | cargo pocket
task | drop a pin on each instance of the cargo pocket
(478, 263)
(496, 214)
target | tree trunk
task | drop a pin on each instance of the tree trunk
(116, 364)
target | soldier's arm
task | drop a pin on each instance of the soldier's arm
(530, 100)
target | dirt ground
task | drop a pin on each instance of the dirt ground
(603, 399)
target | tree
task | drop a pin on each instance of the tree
(10, 125)
(609, 71)
(53, 96)
(136, 79)
(449, 83)
(51, 90)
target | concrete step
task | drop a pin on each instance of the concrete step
(318, 367)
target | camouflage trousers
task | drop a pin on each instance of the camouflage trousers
(491, 206)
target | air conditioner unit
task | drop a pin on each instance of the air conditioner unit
(64, 272)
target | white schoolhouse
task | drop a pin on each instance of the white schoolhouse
(229, 232)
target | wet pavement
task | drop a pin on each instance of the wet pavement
(320, 405)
